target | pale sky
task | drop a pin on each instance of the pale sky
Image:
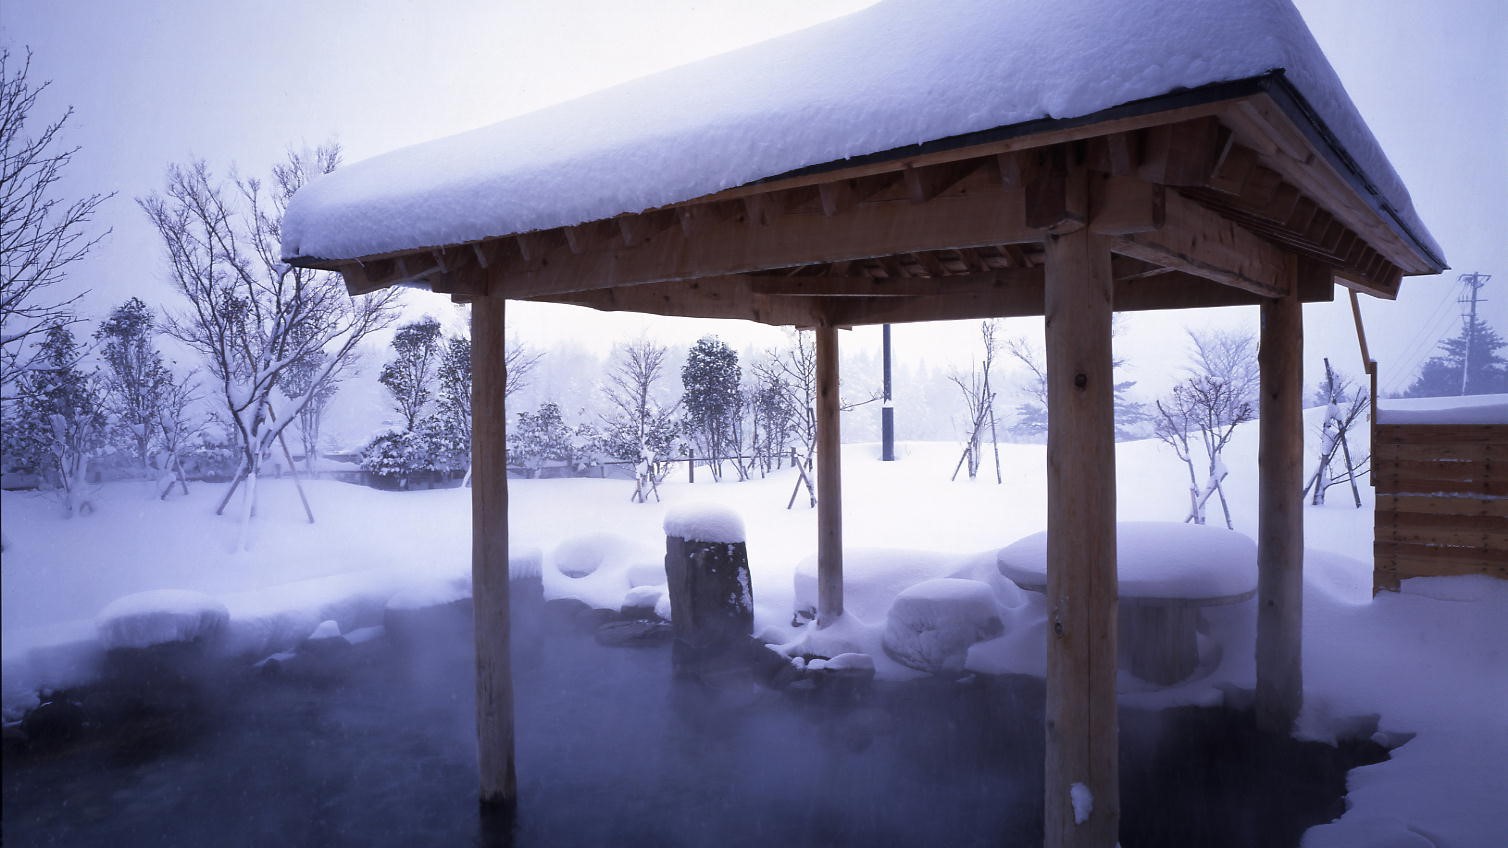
(240, 81)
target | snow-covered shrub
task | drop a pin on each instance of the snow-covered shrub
(154, 618)
(932, 624)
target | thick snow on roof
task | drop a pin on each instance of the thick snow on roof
(899, 73)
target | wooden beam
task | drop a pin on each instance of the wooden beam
(829, 286)
(1056, 198)
(718, 246)
(1123, 206)
(489, 557)
(1082, 734)
(1280, 517)
(1185, 153)
(714, 297)
(1202, 243)
(829, 480)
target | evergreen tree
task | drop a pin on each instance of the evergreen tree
(1474, 349)
(410, 375)
(135, 382)
(712, 400)
(62, 417)
(453, 401)
(540, 437)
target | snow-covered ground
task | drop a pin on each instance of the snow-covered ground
(1429, 661)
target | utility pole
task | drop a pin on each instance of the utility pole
(887, 411)
(1474, 282)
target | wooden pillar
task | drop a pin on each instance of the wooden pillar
(1082, 729)
(829, 481)
(1280, 517)
(489, 556)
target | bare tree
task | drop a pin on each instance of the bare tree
(175, 427)
(1344, 403)
(1208, 408)
(518, 360)
(979, 399)
(1231, 357)
(40, 233)
(250, 316)
(640, 427)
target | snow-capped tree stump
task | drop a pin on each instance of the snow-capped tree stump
(711, 598)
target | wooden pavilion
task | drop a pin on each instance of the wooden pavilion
(1234, 191)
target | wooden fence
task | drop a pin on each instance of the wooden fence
(1442, 501)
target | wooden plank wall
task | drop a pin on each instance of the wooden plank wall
(1442, 501)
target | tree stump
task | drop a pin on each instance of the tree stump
(711, 597)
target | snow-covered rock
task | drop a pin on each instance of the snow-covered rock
(872, 577)
(641, 601)
(157, 617)
(932, 624)
(581, 556)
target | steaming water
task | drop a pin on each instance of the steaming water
(612, 751)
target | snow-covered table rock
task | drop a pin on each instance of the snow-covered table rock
(1165, 573)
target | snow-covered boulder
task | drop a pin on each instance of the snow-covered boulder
(582, 556)
(159, 617)
(932, 624)
(640, 602)
(872, 577)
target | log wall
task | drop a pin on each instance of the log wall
(1442, 501)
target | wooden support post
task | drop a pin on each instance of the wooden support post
(489, 556)
(1280, 517)
(1082, 729)
(829, 481)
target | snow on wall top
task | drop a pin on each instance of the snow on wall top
(899, 73)
(1472, 409)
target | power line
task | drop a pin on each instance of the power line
(1430, 331)
(1475, 282)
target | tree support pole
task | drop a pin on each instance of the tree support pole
(1082, 727)
(829, 481)
(1280, 517)
(489, 557)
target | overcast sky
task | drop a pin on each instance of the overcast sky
(239, 82)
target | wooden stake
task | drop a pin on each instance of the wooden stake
(489, 556)
(829, 481)
(1280, 516)
(1082, 729)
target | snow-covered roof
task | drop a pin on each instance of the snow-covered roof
(899, 73)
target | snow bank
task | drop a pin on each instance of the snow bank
(278, 618)
(432, 593)
(1156, 559)
(1472, 409)
(968, 66)
(931, 625)
(165, 615)
(704, 522)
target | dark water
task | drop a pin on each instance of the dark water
(612, 751)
